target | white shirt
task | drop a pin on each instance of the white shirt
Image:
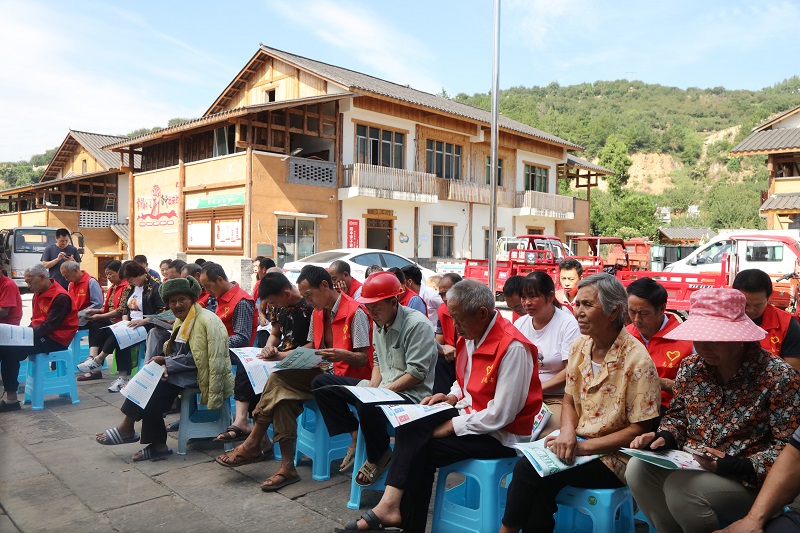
(513, 381)
(553, 342)
(432, 302)
(135, 303)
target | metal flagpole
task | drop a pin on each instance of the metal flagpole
(493, 168)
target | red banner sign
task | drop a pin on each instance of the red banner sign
(353, 233)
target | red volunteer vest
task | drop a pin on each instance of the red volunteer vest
(255, 289)
(114, 297)
(228, 302)
(448, 326)
(64, 332)
(342, 337)
(486, 361)
(776, 323)
(403, 300)
(562, 297)
(354, 286)
(203, 298)
(79, 292)
(666, 354)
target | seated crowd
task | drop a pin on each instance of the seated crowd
(610, 364)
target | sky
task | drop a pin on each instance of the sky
(113, 67)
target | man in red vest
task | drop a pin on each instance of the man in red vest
(84, 290)
(339, 329)
(10, 301)
(342, 280)
(647, 303)
(497, 394)
(783, 330)
(237, 310)
(54, 324)
(446, 337)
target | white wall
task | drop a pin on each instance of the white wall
(537, 159)
(789, 122)
(123, 198)
(349, 133)
(356, 208)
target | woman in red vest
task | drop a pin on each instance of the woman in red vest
(497, 394)
(99, 319)
(54, 324)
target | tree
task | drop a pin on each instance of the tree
(614, 156)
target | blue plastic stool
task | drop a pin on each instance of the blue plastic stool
(314, 441)
(477, 504)
(40, 381)
(640, 516)
(360, 457)
(594, 510)
(198, 422)
(79, 353)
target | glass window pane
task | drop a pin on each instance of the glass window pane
(366, 259)
(361, 150)
(391, 260)
(430, 163)
(374, 151)
(306, 238)
(440, 159)
(398, 156)
(361, 130)
(448, 165)
(286, 241)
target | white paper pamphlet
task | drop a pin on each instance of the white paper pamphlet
(301, 359)
(669, 459)
(544, 461)
(373, 394)
(163, 319)
(128, 336)
(405, 413)
(140, 387)
(15, 335)
(257, 369)
(540, 421)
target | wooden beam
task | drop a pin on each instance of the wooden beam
(181, 194)
(248, 194)
(215, 186)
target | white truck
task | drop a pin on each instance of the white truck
(21, 248)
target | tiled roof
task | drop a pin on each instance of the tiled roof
(782, 202)
(580, 162)
(767, 141)
(356, 81)
(93, 143)
(775, 118)
(122, 231)
(686, 234)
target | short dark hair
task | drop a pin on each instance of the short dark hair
(266, 263)
(165, 262)
(213, 271)
(753, 280)
(314, 276)
(62, 232)
(372, 269)
(571, 264)
(113, 266)
(177, 264)
(132, 269)
(399, 274)
(141, 259)
(340, 267)
(413, 273)
(273, 284)
(200, 261)
(650, 290)
(258, 258)
(513, 286)
(538, 283)
(192, 269)
(453, 277)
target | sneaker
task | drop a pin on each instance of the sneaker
(117, 384)
(89, 365)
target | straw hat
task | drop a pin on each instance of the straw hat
(717, 315)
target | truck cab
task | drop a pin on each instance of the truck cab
(21, 248)
(752, 250)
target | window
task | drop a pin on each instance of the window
(391, 261)
(380, 147)
(296, 239)
(442, 241)
(224, 141)
(366, 259)
(764, 251)
(269, 95)
(489, 171)
(443, 159)
(713, 254)
(83, 167)
(536, 178)
(490, 247)
(215, 230)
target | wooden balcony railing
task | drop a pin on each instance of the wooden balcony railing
(546, 204)
(466, 191)
(398, 183)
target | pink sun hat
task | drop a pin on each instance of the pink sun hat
(717, 315)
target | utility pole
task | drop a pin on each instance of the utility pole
(493, 169)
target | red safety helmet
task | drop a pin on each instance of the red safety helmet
(379, 286)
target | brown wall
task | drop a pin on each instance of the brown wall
(580, 223)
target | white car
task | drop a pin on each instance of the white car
(358, 258)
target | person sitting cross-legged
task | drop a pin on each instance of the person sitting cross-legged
(196, 357)
(496, 393)
(405, 358)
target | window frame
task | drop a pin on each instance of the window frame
(213, 216)
(435, 236)
(397, 159)
(297, 220)
(449, 170)
(531, 177)
(489, 170)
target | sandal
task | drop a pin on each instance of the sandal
(90, 376)
(149, 453)
(174, 426)
(111, 437)
(237, 458)
(9, 406)
(238, 435)
(273, 486)
(373, 522)
(373, 471)
(348, 460)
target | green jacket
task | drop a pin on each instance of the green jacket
(208, 342)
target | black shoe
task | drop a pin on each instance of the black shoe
(13, 406)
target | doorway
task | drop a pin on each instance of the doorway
(379, 234)
(102, 261)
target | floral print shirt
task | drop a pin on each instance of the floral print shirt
(625, 390)
(751, 416)
(294, 321)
